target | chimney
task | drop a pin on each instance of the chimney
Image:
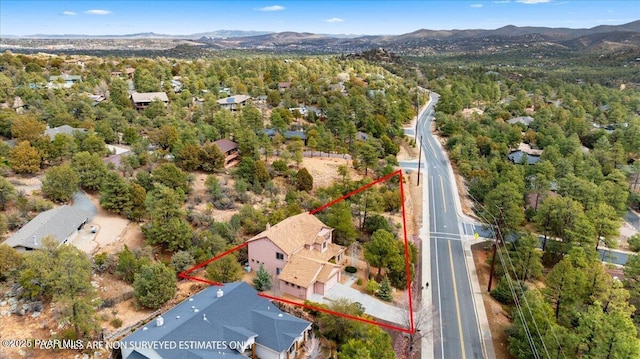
(268, 226)
(159, 321)
(219, 293)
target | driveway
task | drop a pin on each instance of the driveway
(373, 306)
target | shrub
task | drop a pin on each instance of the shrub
(372, 287)
(359, 281)
(351, 269)
(502, 292)
(116, 322)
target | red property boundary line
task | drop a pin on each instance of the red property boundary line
(186, 274)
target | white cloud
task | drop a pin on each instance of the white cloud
(68, 13)
(271, 8)
(531, 2)
(334, 19)
(502, 1)
(97, 12)
(477, 6)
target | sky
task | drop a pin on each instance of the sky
(25, 17)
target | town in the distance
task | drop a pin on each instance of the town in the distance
(294, 195)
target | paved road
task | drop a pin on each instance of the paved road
(456, 332)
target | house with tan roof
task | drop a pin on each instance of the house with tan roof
(299, 252)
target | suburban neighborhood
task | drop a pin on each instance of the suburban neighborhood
(350, 184)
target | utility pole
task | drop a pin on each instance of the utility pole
(415, 135)
(419, 158)
(495, 249)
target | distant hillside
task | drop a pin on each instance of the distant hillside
(602, 38)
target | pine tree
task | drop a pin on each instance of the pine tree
(385, 291)
(262, 281)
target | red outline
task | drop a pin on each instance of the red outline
(411, 329)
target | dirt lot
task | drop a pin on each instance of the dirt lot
(498, 318)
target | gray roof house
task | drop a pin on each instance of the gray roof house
(52, 132)
(63, 81)
(142, 100)
(228, 321)
(517, 156)
(61, 223)
(234, 102)
(525, 120)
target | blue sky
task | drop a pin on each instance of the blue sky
(23, 17)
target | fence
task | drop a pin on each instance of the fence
(110, 302)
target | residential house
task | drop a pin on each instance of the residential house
(63, 81)
(525, 120)
(142, 100)
(130, 71)
(288, 135)
(228, 321)
(301, 110)
(234, 103)
(230, 151)
(533, 155)
(300, 253)
(18, 105)
(518, 157)
(52, 132)
(61, 223)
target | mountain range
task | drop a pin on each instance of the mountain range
(421, 41)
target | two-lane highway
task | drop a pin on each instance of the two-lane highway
(455, 329)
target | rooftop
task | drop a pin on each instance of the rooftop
(294, 232)
(138, 97)
(235, 99)
(237, 315)
(58, 222)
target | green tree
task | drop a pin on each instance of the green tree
(138, 196)
(145, 81)
(385, 292)
(94, 144)
(211, 158)
(26, 128)
(507, 199)
(115, 195)
(369, 155)
(60, 183)
(339, 218)
(63, 274)
(260, 173)
(373, 343)
(338, 328)
(171, 176)
(189, 157)
(154, 285)
(10, 261)
(605, 222)
(304, 181)
(25, 159)
(262, 281)
(372, 287)
(224, 270)
(381, 251)
(129, 264)
(7, 192)
(90, 168)
(71, 286)
(528, 259)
